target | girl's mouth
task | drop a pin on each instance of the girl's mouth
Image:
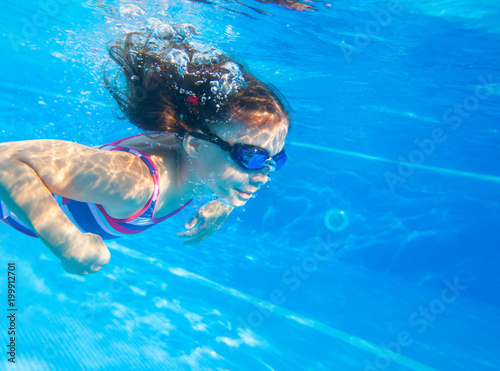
(245, 195)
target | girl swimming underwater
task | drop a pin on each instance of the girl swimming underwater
(211, 129)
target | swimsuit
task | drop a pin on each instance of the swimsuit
(89, 217)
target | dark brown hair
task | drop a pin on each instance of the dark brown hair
(173, 84)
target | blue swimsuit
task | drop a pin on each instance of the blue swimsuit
(89, 217)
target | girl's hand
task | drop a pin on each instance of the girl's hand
(87, 254)
(208, 219)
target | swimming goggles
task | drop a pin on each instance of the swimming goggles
(245, 155)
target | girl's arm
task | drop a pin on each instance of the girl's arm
(31, 170)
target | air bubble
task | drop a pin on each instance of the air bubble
(200, 59)
(161, 29)
(199, 47)
(204, 54)
(336, 220)
(134, 78)
(232, 81)
(131, 11)
(179, 59)
(185, 30)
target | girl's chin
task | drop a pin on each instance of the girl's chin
(239, 203)
(233, 201)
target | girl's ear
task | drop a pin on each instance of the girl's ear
(192, 145)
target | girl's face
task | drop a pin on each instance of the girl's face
(230, 182)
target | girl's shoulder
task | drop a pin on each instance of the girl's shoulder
(150, 143)
(162, 150)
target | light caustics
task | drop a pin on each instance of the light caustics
(277, 310)
(465, 174)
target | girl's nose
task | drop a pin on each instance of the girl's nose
(259, 178)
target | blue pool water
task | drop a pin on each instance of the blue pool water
(396, 124)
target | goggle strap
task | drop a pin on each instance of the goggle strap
(213, 139)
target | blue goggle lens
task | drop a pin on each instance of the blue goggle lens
(252, 158)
